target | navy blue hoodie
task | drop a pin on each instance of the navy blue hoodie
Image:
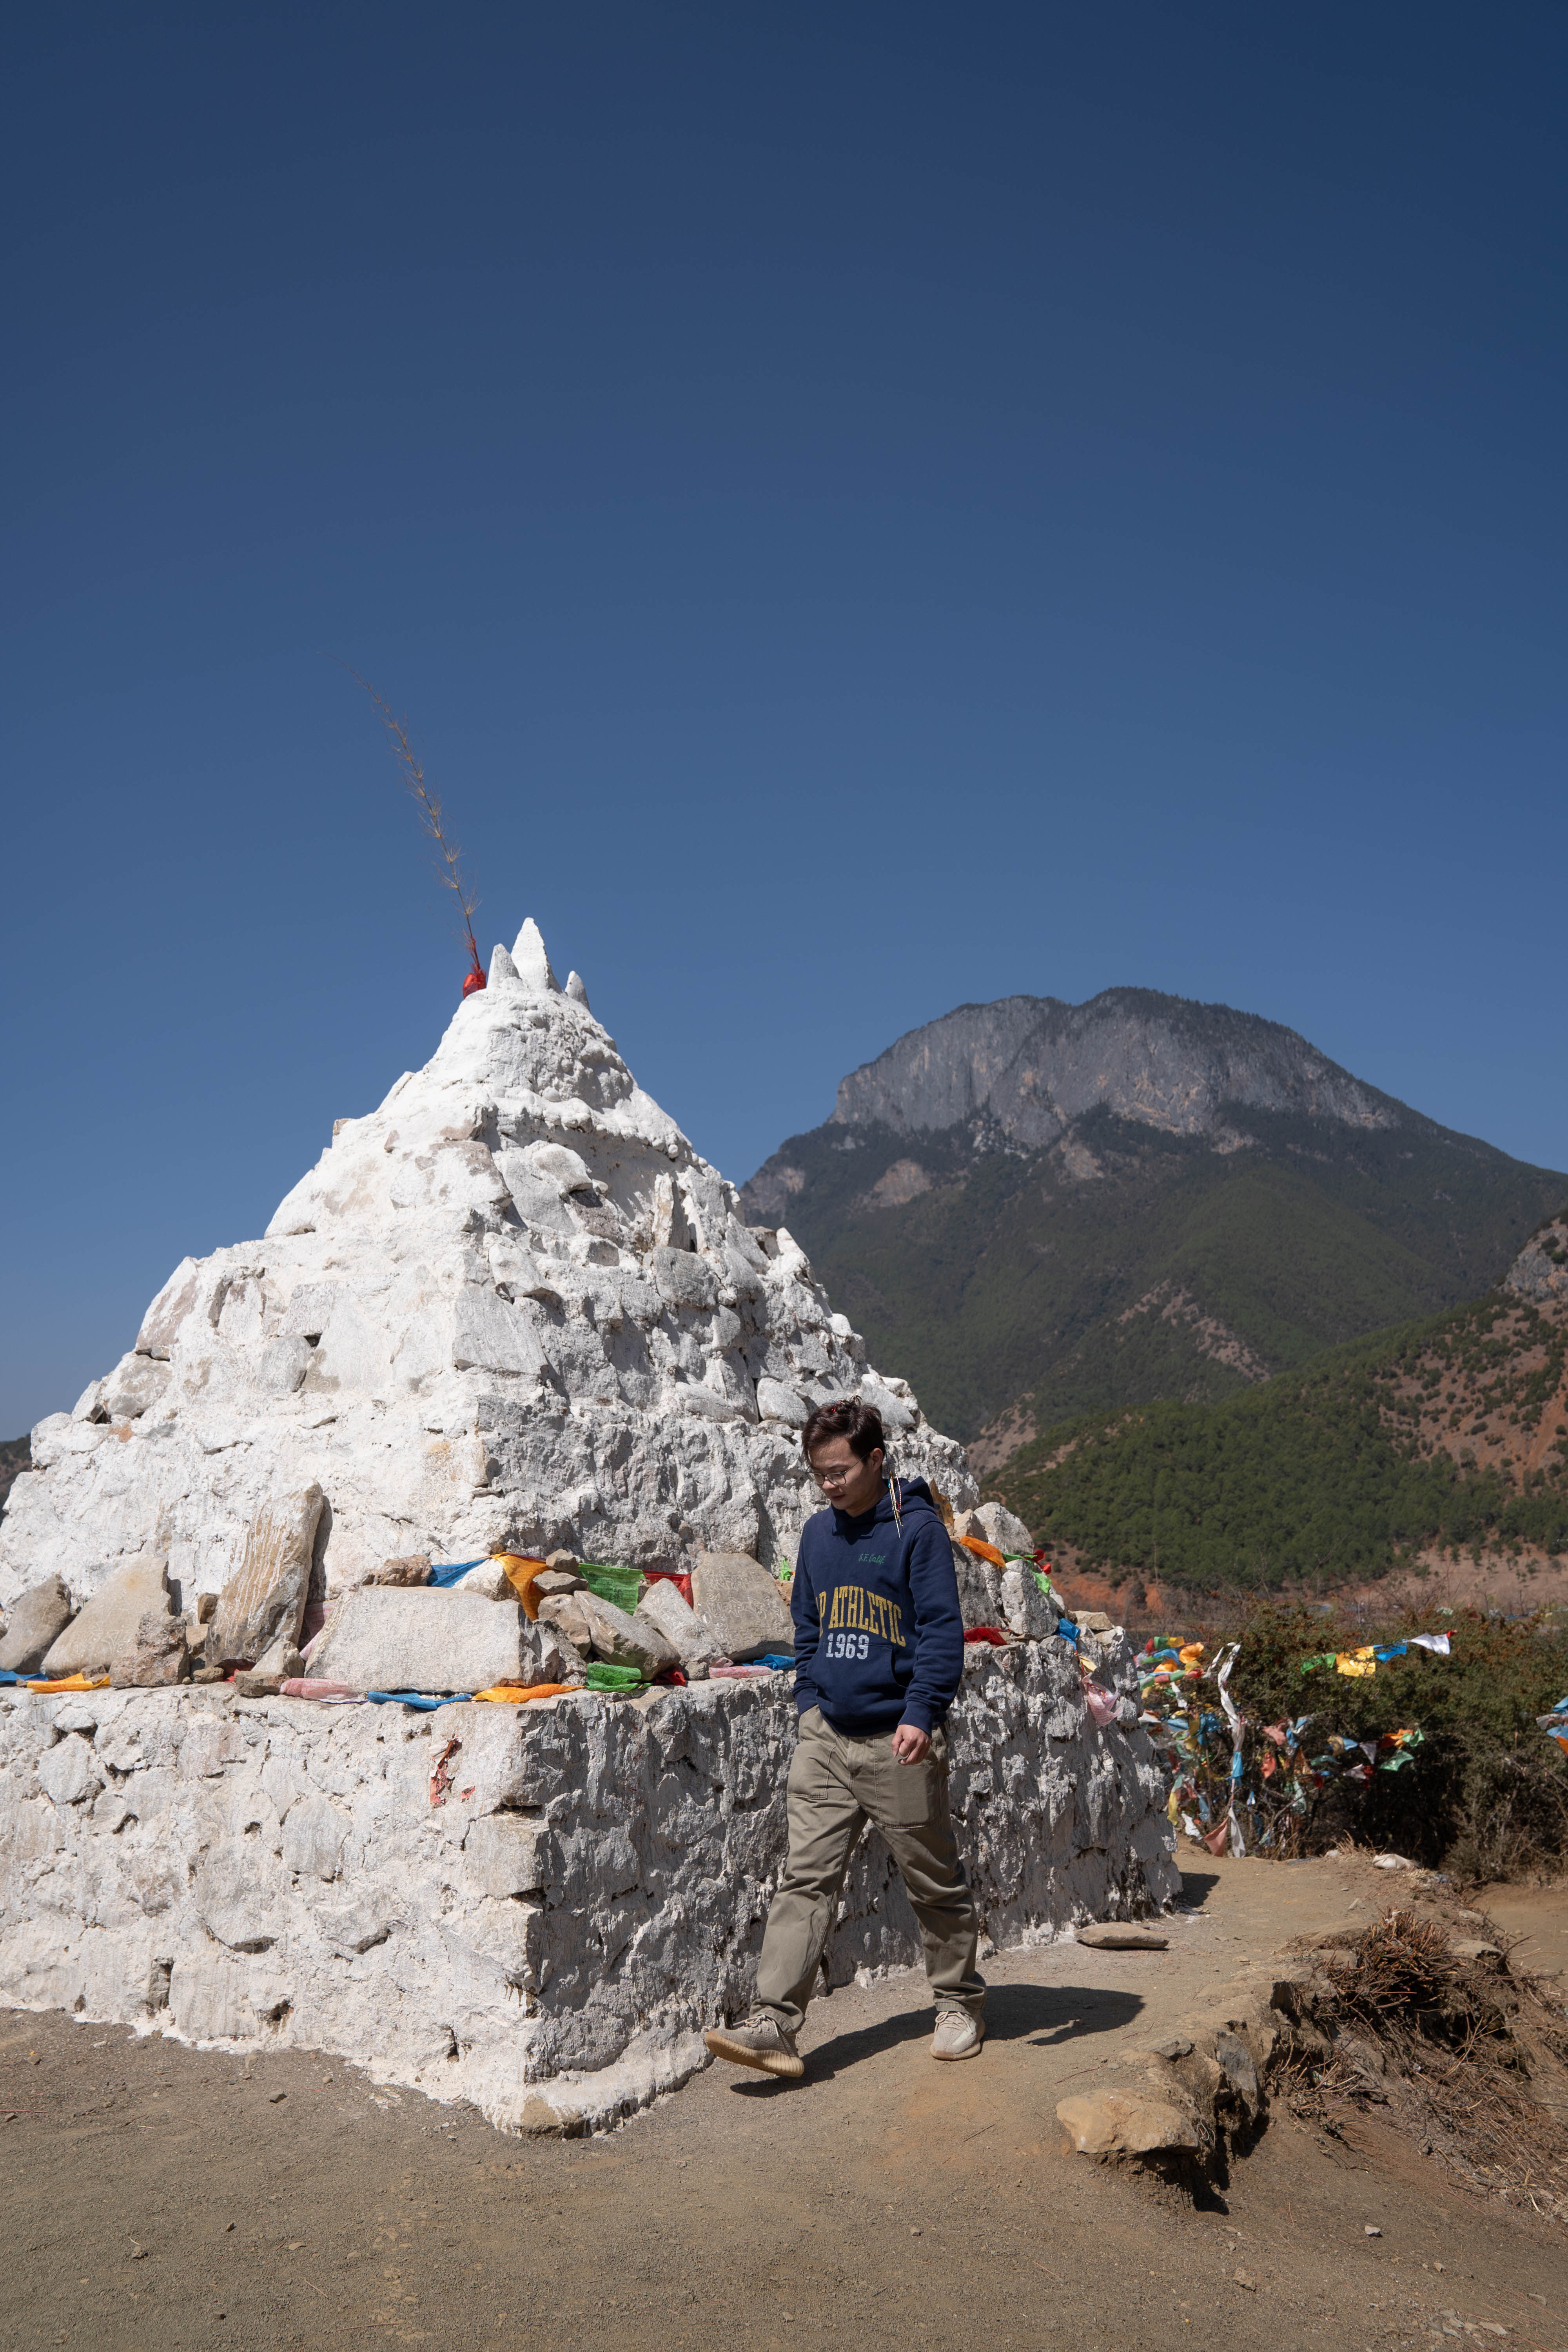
(878, 1633)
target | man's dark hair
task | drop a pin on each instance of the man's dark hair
(846, 1417)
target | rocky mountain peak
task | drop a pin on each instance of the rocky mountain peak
(1026, 1067)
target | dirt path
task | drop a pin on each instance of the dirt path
(885, 2200)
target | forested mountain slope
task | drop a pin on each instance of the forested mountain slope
(1449, 1433)
(1035, 1210)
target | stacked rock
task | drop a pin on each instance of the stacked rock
(512, 1310)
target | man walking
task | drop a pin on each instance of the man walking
(878, 1646)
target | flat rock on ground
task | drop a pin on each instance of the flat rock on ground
(105, 1633)
(1121, 1935)
(883, 2200)
(741, 1604)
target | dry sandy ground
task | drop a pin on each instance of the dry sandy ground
(158, 2197)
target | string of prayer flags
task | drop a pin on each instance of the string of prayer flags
(1367, 1659)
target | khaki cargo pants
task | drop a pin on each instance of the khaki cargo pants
(836, 1785)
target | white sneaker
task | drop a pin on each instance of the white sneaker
(957, 2035)
(759, 2042)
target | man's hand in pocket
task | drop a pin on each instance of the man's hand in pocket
(910, 1743)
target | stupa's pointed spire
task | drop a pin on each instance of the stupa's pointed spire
(577, 992)
(532, 962)
(502, 965)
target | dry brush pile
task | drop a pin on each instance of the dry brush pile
(1465, 2055)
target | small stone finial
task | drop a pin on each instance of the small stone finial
(533, 963)
(502, 965)
(577, 992)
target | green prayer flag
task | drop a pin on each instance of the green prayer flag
(619, 1586)
(602, 1677)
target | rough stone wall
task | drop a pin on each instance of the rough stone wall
(547, 1940)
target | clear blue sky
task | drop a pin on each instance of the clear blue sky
(865, 507)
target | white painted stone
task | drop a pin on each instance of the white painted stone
(993, 1523)
(135, 1384)
(897, 1416)
(511, 1309)
(777, 1403)
(423, 1638)
(105, 1633)
(66, 1773)
(550, 1940)
(529, 961)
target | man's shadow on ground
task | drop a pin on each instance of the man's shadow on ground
(1044, 2016)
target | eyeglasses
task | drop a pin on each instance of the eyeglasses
(825, 1478)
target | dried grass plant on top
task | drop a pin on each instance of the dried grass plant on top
(1469, 2056)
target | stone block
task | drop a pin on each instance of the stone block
(264, 1600)
(777, 1403)
(1026, 1611)
(507, 1853)
(315, 1832)
(35, 1621)
(105, 1633)
(979, 1590)
(491, 1335)
(993, 1523)
(685, 1280)
(897, 1417)
(741, 1604)
(284, 1364)
(626, 1641)
(161, 1654)
(664, 1609)
(161, 1323)
(562, 1613)
(414, 1568)
(427, 1639)
(66, 1772)
(1124, 2122)
(1120, 1935)
(134, 1385)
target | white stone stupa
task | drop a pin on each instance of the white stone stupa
(513, 1309)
